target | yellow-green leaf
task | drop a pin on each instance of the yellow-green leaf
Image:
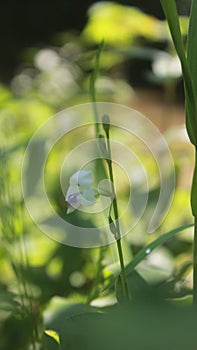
(53, 334)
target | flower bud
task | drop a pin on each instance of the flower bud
(106, 123)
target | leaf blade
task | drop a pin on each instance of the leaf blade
(53, 334)
(170, 10)
(142, 254)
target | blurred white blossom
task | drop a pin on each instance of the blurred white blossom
(166, 66)
(81, 191)
(46, 59)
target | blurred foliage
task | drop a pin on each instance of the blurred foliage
(162, 326)
(70, 291)
(120, 25)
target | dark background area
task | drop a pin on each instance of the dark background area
(32, 23)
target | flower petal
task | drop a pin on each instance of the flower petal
(88, 197)
(74, 202)
(73, 189)
(82, 178)
(74, 179)
(81, 192)
(85, 178)
(70, 210)
(105, 188)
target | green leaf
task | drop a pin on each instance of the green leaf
(170, 10)
(137, 286)
(192, 56)
(192, 45)
(53, 335)
(8, 301)
(194, 190)
(67, 317)
(141, 255)
(60, 309)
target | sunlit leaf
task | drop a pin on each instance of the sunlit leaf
(53, 335)
(119, 25)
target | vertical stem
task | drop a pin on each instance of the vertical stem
(116, 216)
(98, 162)
(195, 264)
(123, 272)
(93, 79)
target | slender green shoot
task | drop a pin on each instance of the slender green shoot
(93, 79)
(189, 71)
(114, 224)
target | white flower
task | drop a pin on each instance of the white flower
(81, 191)
(166, 66)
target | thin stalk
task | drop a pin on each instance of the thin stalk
(123, 272)
(195, 264)
(116, 216)
(93, 79)
(98, 163)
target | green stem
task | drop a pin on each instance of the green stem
(123, 272)
(116, 216)
(93, 79)
(195, 264)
